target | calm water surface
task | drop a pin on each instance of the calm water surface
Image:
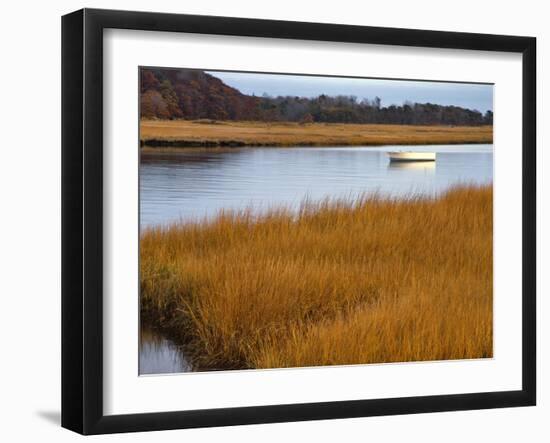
(198, 183)
(195, 184)
(158, 355)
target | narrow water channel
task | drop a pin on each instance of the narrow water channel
(159, 355)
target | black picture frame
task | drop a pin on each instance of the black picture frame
(82, 218)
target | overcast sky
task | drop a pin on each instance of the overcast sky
(472, 96)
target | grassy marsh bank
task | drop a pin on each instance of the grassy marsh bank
(344, 282)
(186, 133)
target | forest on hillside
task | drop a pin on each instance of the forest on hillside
(170, 94)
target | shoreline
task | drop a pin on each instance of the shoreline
(182, 134)
(153, 145)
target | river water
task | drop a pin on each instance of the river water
(197, 183)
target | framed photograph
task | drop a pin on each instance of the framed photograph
(269, 221)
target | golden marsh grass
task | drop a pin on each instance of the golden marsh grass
(206, 133)
(354, 281)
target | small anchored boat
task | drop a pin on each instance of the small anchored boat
(412, 156)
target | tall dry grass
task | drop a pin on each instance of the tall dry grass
(343, 282)
(199, 133)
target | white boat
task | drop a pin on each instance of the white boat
(412, 156)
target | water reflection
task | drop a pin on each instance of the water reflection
(424, 167)
(197, 183)
(158, 355)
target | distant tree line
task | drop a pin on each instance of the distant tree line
(189, 94)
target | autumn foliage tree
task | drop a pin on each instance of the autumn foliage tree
(170, 99)
(153, 105)
(307, 118)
